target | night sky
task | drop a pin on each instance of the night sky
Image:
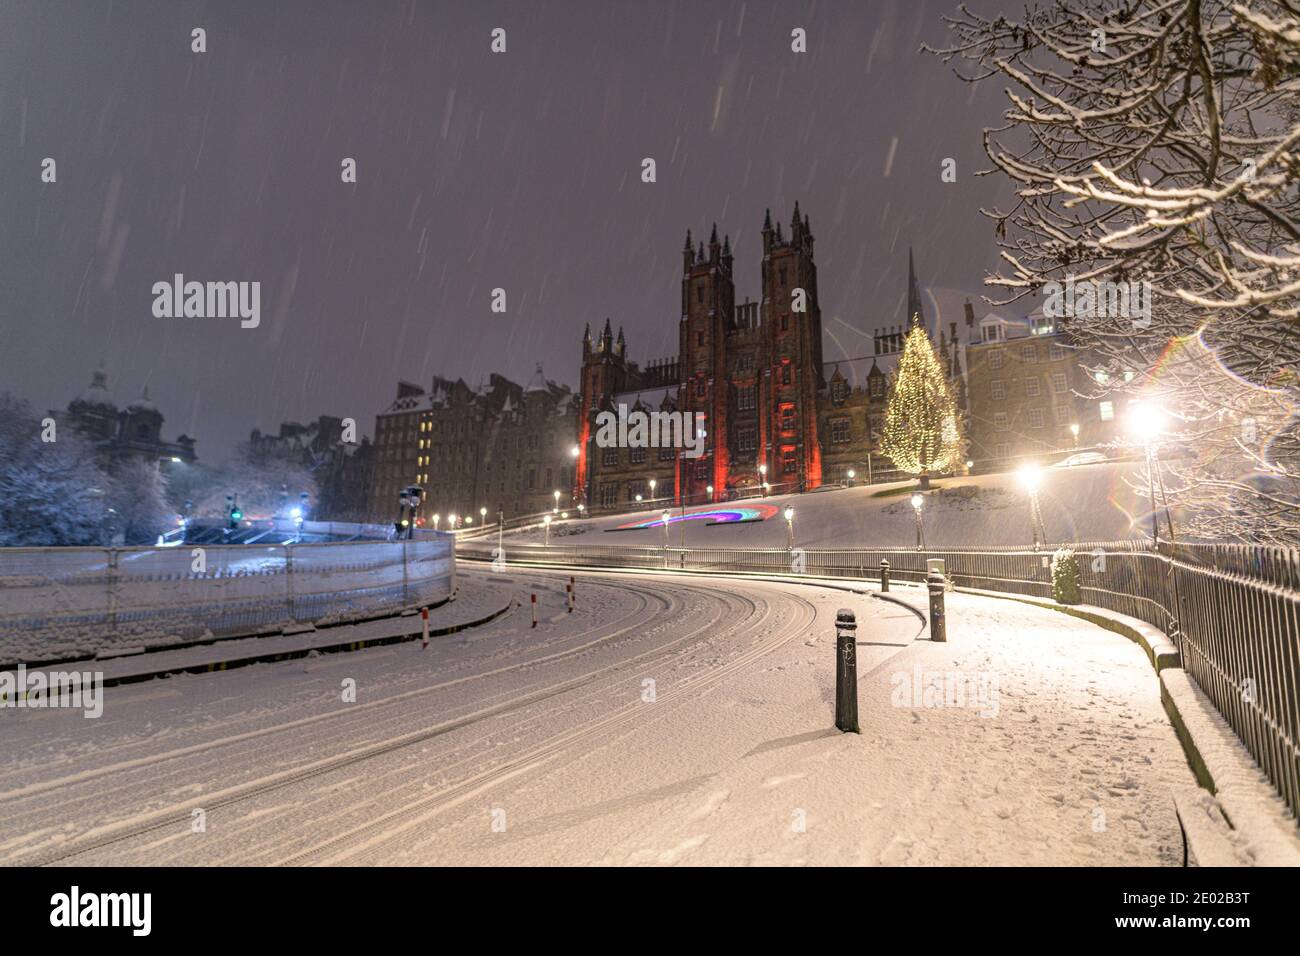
(476, 170)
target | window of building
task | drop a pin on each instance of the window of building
(1000, 421)
(609, 457)
(636, 455)
(840, 431)
(1029, 353)
(1033, 386)
(998, 389)
(876, 386)
(745, 440)
(1002, 450)
(699, 387)
(1035, 418)
(995, 358)
(1107, 410)
(532, 478)
(609, 494)
(667, 453)
(1055, 351)
(746, 397)
(1059, 384)
(1062, 413)
(789, 463)
(787, 417)
(635, 488)
(785, 373)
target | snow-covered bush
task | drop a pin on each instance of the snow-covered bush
(1065, 577)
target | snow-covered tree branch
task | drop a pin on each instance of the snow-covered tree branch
(1158, 142)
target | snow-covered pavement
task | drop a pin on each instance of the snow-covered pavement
(667, 720)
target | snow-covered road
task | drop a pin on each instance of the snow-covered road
(668, 719)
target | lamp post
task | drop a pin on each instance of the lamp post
(918, 502)
(789, 528)
(436, 519)
(851, 475)
(1145, 421)
(557, 500)
(762, 476)
(1030, 478)
(1074, 431)
(710, 489)
(652, 489)
(547, 522)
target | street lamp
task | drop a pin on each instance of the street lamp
(851, 474)
(451, 521)
(652, 488)
(638, 498)
(710, 489)
(575, 451)
(664, 521)
(482, 515)
(557, 500)
(1146, 421)
(789, 528)
(1074, 430)
(1031, 477)
(547, 522)
(918, 502)
(436, 519)
(762, 475)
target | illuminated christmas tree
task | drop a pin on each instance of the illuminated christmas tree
(923, 430)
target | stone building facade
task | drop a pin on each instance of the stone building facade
(502, 447)
(1028, 395)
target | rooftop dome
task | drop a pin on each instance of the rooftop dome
(143, 404)
(97, 392)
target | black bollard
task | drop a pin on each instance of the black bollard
(934, 580)
(846, 672)
(884, 576)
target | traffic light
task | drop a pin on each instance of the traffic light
(234, 515)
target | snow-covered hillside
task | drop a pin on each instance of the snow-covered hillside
(1084, 503)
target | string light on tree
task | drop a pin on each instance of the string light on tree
(923, 433)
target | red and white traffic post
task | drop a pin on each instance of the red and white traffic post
(534, 606)
(424, 625)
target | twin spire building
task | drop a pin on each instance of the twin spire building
(752, 369)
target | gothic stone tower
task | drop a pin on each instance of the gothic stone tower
(708, 303)
(788, 443)
(605, 372)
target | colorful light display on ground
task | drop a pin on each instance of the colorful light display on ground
(709, 516)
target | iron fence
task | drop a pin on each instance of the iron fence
(1233, 611)
(69, 603)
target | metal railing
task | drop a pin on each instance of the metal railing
(1233, 611)
(69, 603)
